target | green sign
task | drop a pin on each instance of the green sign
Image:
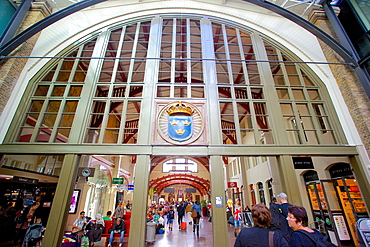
(117, 181)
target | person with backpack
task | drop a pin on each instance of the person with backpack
(259, 235)
(171, 217)
(278, 220)
(33, 235)
(302, 234)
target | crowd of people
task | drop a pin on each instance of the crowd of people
(163, 214)
(281, 225)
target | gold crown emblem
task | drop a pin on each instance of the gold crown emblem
(179, 108)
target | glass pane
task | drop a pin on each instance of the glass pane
(282, 93)
(136, 91)
(53, 106)
(257, 93)
(286, 109)
(79, 76)
(181, 92)
(328, 137)
(313, 198)
(71, 106)
(331, 195)
(44, 135)
(92, 135)
(101, 91)
(36, 105)
(25, 134)
(119, 91)
(266, 137)
(247, 137)
(63, 135)
(243, 108)
(279, 80)
(311, 137)
(163, 91)
(130, 136)
(66, 120)
(224, 92)
(294, 80)
(49, 119)
(314, 94)
(245, 122)
(42, 90)
(298, 94)
(293, 137)
(197, 92)
(111, 136)
(75, 91)
(241, 93)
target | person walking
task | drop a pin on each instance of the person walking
(27, 216)
(196, 216)
(171, 217)
(188, 212)
(238, 217)
(283, 209)
(180, 213)
(259, 235)
(303, 235)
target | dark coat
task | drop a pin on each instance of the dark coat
(181, 210)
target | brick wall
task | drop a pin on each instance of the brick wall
(353, 93)
(10, 68)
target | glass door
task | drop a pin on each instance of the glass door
(352, 203)
(338, 231)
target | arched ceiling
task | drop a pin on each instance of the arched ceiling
(7, 46)
(202, 185)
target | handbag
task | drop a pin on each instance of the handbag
(194, 214)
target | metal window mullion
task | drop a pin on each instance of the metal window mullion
(227, 53)
(57, 120)
(123, 121)
(315, 123)
(40, 120)
(254, 123)
(75, 64)
(84, 108)
(118, 55)
(236, 122)
(105, 120)
(242, 57)
(134, 47)
(173, 55)
(188, 56)
(57, 70)
(298, 122)
(283, 69)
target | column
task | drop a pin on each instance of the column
(220, 232)
(60, 207)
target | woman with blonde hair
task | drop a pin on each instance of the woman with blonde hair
(259, 234)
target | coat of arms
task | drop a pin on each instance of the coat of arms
(180, 122)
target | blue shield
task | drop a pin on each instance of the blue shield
(180, 128)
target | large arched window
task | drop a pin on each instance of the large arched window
(106, 92)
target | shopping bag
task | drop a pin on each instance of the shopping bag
(201, 223)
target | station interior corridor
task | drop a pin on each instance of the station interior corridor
(177, 237)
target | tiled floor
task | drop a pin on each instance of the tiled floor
(182, 238)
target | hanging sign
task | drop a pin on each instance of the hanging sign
(117, 181)
(232, 184)
(302, 162)
(86, 171)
